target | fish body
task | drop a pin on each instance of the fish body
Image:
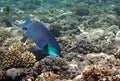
(43, 38)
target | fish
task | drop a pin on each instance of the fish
(43, 38)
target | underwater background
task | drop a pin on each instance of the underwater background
(87, 31)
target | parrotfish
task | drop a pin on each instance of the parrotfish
(43, 38)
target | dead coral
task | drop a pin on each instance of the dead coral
(4, 35)
(98, 58)
(83, 46)
(70, 44)
(56, 65)
(81, 11)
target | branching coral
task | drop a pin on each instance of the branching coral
(9, 41)
(99, 73)
(18, 46)
(15, 58)
(2, 74)
(95, 73)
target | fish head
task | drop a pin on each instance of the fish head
(26, 24)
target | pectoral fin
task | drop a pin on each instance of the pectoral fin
(49, 49)
(36, 49)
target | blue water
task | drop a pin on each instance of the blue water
(61, 4)
(34, 8)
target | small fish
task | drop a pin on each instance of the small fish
(43, 38)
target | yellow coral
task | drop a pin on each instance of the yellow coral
(117, 78)
(47, 76)
(18, 46)
(10, 41)
(28, 57)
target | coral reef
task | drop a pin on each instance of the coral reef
(47, 76)
(4, 34)
(16, 57)
(2, 74)
(56, 65)
(88, 32)
(82, 46)
(96, 73)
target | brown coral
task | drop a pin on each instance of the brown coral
(47, 76)
(10, 58)
(21, 47)
(9, 41)
(99, 73)
(2, 74)
(95, 73)
(56, 65)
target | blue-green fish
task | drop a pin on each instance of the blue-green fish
(43, 38)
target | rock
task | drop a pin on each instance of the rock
(13, 73)
(117, 10)
(97, 33)
(99, 58)
(114, 28)
(117, 37)
(81, 11)
(92, 34)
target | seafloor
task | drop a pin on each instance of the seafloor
(88, 32)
